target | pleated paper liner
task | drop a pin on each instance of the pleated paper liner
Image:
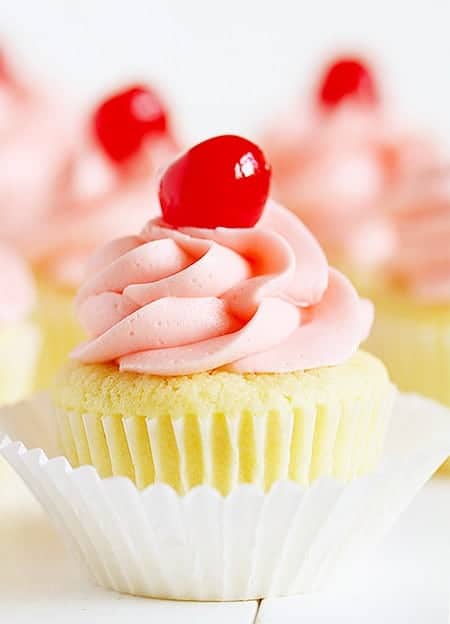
(250, 544)
(417, 353)
(301, 443)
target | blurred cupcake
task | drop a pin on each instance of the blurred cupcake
(222, 348)
(19, 338)
(412, 295)
(334, 158)
(108, 189)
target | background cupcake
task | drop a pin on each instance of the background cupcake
(334, 159)
(108, 189)
(19, 338)
(412, 296)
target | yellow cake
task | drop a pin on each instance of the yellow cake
(19, 346)
(60, 329)
(19, 336)
(223, 428)
(413, 340)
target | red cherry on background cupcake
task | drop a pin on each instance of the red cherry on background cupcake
(4, 69)
(344, 79)
(122, 122)
(221, 182)
(6, 74)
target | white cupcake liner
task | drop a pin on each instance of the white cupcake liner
(202, 546)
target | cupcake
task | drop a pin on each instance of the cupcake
(412, 295)
(102, 194)
(334, 159)
(222, 348)
(223, 437)
(19, 338)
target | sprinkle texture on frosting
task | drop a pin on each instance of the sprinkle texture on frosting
(17, 293)
(420, 213)
(181, 301)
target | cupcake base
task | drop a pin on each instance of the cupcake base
(247, 545)
(19, 347)
(222, 429)
(413, 340)
(60, 330)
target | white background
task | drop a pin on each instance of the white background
(228, 65)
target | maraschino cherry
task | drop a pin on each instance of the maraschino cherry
(221, 182)
(347, 79)
(122, 122)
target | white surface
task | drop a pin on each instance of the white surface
(407, 582)
(227, 66)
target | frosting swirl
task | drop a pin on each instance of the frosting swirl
(420, 219)
(182, 301)
(17, 292)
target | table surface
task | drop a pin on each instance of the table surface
(407, 581)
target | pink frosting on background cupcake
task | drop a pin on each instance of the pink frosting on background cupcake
(96, 204)
(35, 133)
(419, 214)
(97, 199)
(333, 164)
(334, 173)
(17, 293)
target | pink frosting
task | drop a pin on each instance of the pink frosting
(34, 134)
(263, 299)
(96, 202)
(17, 293)
(420, 219)
(333, 171)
